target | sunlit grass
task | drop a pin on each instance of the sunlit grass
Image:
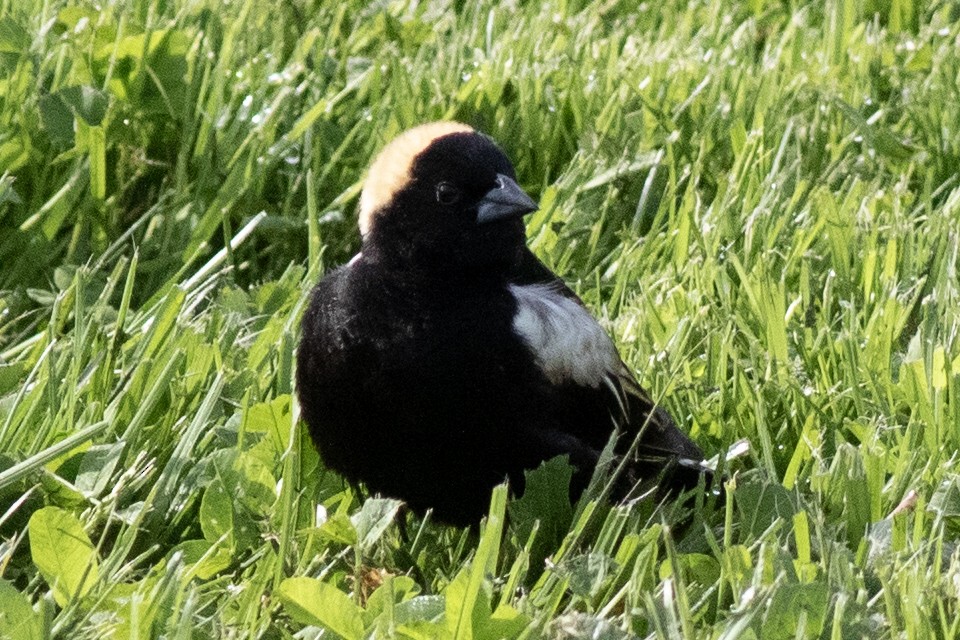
(759, 200)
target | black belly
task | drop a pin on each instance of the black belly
(438, 410)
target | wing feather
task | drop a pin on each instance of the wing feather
(652, 439)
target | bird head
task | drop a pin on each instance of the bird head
(443, 194)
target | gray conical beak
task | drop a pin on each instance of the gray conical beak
(506, 200)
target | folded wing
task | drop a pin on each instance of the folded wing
(572, 348)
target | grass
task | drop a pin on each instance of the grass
(760, 200)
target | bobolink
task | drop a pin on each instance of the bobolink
(446, 357)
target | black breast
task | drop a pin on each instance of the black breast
(427, 395)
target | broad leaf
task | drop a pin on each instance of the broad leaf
(311, 601)
(63, 553)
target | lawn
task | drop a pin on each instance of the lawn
(760, 200)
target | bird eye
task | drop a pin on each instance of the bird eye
(447, 193)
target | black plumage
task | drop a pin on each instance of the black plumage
(446, 357)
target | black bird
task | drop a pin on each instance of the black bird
(446, 357)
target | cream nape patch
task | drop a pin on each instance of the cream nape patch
(565, 339)
(390, 171)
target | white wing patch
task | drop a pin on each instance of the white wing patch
(568, 343)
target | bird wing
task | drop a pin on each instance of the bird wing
(635, 413)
